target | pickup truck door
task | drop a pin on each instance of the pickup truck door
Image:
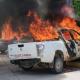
(70, 43)
(76, 37)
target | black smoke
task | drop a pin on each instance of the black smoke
(54, 9)
(17, 9)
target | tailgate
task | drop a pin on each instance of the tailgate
(22, 51)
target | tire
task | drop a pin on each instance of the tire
(57, 64)
(26, 68)
(24, 65)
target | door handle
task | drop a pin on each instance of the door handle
(21, 45)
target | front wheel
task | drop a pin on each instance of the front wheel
(57, 65)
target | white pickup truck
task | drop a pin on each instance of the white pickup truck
(51, 54)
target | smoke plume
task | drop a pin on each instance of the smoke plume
(42, 7)
(17, 9)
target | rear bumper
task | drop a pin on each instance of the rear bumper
(26, 61)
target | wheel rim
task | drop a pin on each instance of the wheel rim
(58, 65)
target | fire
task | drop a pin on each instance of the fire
(8, 33)
(69, 23)
(20, 33)
(42, 30)
(39, 29)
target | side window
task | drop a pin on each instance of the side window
(76, 36)
(66, 35)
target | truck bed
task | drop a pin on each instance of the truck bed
(22, 51)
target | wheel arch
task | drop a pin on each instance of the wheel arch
(60, 53)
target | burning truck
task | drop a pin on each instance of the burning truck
(48, 42)
(48, 46)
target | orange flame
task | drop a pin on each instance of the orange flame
(42, 30)
(8, 33)
(69, 23)
(39, 29)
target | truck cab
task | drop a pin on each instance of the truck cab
(71, 39)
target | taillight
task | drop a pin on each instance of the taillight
(40, 48)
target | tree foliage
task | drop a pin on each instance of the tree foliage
(76, 5)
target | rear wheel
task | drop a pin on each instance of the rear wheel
(25, 65)
(57, 65)
(26, 68)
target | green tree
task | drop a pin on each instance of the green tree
(76, 5)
